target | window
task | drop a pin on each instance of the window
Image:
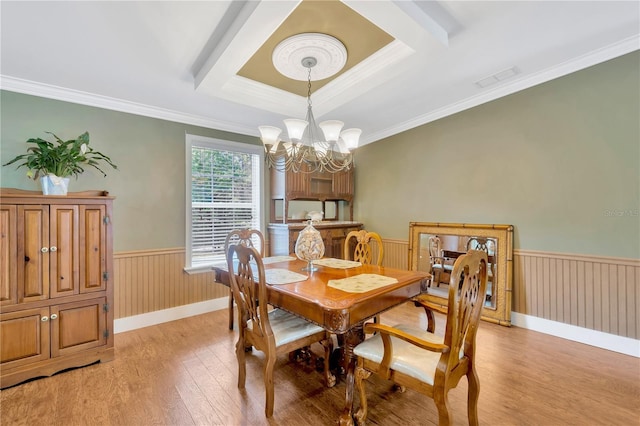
(224, 192)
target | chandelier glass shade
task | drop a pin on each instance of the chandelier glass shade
(309, 147)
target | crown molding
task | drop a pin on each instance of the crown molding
(84, 98)
(49, 91)
(595, 57)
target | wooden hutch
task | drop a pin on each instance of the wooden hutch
(56, 285)
(325, 187)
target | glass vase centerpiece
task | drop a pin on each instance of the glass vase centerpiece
(309, 246)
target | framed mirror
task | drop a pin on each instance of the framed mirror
(434, 247)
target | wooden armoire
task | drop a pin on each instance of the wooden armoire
(56, 282)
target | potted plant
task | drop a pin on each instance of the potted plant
(54, 162)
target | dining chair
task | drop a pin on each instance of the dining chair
(363, 250)
(487, 245)
(249, 238)
(272, 331)
(436, 260)
(423, 361)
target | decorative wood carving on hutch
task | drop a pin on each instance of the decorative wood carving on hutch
(287, 186)
(56, 285)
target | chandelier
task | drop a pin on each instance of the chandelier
(309, 147)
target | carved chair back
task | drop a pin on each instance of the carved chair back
(435, 247)
(245, 237)
(487, 245)
(363, 250)
(249, 289)
(436, 259)
(465, 304)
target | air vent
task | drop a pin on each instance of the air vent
(497, 77)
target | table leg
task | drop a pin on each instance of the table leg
(352, 338)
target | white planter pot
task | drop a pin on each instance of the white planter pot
(54, 185)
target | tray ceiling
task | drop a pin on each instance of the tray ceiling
(209, 63)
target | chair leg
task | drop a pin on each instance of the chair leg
(230, 309)
(441, 399)
(472, 398)
(242, 366)
(436, 277)
(269, 363)
(431, 320)
(360, 375)
(329, 378)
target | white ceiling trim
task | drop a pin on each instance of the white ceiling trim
(27, 87)
(219, 78)
(83, 98)
(228, 58)
(601, 55)
(366, 75)
(230, 25)
(259, 95)
(391, 18)
(418, 13)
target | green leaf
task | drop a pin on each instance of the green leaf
(62, 158)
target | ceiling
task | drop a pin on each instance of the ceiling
(208, 63)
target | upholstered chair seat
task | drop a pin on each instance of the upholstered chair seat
(407, 358)
(288, 327)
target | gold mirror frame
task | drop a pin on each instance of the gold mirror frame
(503, 234)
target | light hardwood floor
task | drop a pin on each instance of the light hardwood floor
(185, 373)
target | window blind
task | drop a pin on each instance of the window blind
(225, 195)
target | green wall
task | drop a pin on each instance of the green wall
(149, 185)
(560, 161)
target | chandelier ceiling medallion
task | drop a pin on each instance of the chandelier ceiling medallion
(309, 147)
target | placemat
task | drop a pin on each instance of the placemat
(276, 259)
(277, 276)
(337, 263)
(265, 261)
(361, 283)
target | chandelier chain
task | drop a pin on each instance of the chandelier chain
(309, 88)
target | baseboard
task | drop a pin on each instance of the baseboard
(158, 317)
(611, 342)
(623, 345)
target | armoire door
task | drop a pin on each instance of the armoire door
(78, 326)
(25, 337)
(64, 263)
(33, 253)
(8, 254)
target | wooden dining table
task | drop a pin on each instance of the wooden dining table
(339, 311)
